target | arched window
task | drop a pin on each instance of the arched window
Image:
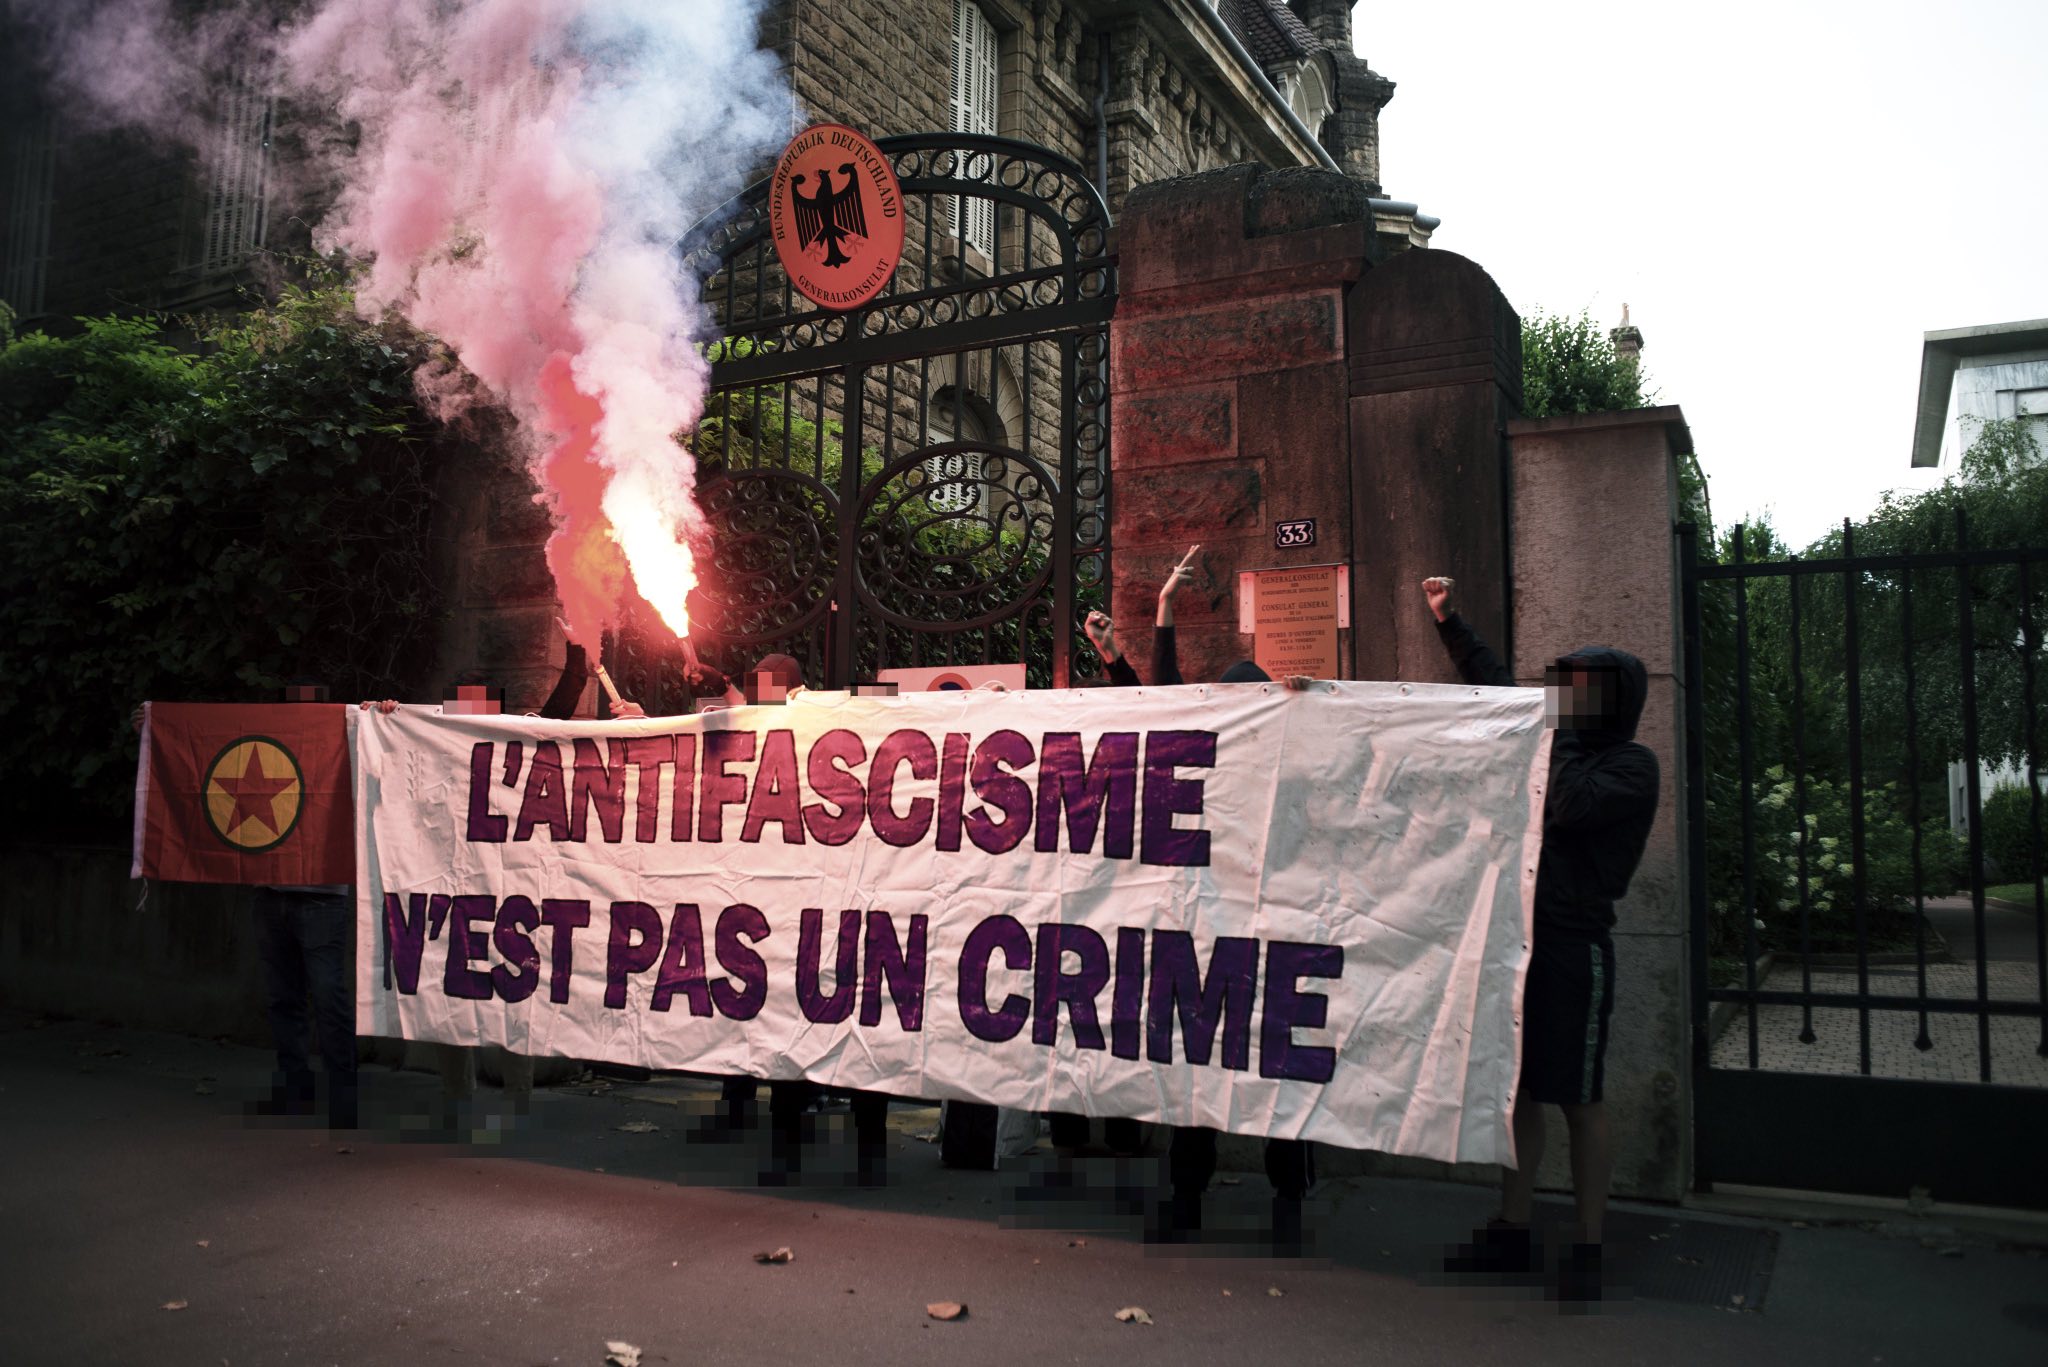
(974, 111)
(1308, 94)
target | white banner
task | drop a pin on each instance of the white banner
(1288, 914)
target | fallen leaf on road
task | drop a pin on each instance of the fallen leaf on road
(780, 1255)
(1226, 1290)
(175, 1305)
(1801, 1224)
(344, 1149)
(621, 1354)
(1689, 1262)
(1132, 1314)
(1077, 1243)
(1275, 1291)
(638, 1127)
(946, 1310)
(203, 1242)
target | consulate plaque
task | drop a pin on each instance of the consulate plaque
(1293, 616)
(836, 213)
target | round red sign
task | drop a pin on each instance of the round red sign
(837, 214)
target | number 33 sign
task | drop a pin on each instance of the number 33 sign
(1289, 535)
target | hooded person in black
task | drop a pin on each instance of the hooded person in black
(1597, 810)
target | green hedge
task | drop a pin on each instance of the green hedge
(200, 514)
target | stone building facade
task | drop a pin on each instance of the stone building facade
(1132, 91)
(1135, 90)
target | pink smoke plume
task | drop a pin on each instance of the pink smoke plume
(518, 176)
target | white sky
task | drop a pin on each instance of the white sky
(1787, 195)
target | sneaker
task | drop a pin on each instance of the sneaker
(1578, 1277)
(1176, 1220)
(1496, 1249)
(282, 1101)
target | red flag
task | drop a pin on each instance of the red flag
(245, 793)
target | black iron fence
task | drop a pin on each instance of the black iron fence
(1871, 934)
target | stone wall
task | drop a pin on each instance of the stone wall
(79, 939)
(1264, 370)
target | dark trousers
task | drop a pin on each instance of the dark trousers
(787, 1102)
(302, 939)
(1191, 1162)
(1120, 1133)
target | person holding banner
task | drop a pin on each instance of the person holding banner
(302, 936)
(1597, 812)
(1191, 1155)
(473, 693)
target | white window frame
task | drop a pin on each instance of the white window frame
(977, 75)
(237, 176)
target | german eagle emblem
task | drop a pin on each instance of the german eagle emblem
(830, 216)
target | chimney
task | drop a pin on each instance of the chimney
(1627, 339)
(1329, 20)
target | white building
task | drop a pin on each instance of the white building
(1969, 376)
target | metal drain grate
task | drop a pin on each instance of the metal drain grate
(1659, 1257)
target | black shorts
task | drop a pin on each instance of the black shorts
(1565, 1006)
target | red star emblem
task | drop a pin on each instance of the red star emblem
(255, 794)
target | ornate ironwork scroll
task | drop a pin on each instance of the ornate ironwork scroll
(919, 481)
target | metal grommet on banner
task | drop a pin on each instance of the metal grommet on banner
(1406, 690)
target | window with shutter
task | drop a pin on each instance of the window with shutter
(974, 111)
(28, 162)
(237, 175)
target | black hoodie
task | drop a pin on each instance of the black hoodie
(1603, 789)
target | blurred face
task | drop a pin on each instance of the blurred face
(475, 700)
(764, 687)
(1578, 698)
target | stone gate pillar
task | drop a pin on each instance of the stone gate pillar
(1265, 368)
(1595, 563)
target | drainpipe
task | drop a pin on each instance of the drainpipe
(1258, 75)
(1102, 117)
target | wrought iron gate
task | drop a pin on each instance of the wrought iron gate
(922, 480)
(1836, 708)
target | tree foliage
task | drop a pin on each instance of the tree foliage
(1569, 365)
(201, 522)
(1911, 658)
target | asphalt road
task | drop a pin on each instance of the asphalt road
(126, 1186)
